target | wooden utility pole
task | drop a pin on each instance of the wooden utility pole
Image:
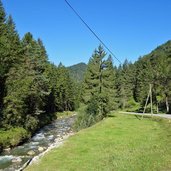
(146, 104)
(151, 101)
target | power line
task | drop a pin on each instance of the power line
(93, 32)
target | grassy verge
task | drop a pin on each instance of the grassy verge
(121, 143)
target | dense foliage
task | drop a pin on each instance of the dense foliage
(126, 87)
(31, 88)
(98, 89)
(133, 81)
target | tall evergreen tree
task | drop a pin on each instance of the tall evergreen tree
(98, 87)
(93, 77)
(2, 54)
(27, 87)
(125, 85)
(109, 82)
(63, 93)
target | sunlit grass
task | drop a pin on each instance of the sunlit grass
(121, 142)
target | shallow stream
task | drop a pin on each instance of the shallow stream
(14, 159)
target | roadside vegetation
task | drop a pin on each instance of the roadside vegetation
(119, 142)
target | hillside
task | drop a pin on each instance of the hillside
(77, 71)
(156, 70)
(133, 81)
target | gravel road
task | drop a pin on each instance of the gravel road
(168, 116)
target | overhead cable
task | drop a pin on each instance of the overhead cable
(93, 32)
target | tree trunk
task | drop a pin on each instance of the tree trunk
(151, 99)
(167, 105)
(157, 107)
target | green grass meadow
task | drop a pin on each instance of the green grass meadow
(118, 143)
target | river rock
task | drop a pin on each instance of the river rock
(17, 160)
(7, 149)
(31, 153)
(40, 149)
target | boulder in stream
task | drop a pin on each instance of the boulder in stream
(16, 160)
(41, 149)
(7, 149)
(31, 153)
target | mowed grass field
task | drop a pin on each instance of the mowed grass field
(118, 143)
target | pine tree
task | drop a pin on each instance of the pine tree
(93, 77)
(2, 13)
(10, 55)
(64, 90)
(109, 82)
(2, 54)
(144, 77)
(98, 87)
(27, 88)
(125, 85)
(50, 102)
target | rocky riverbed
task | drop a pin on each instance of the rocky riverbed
(45, 139)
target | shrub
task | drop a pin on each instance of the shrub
(132, 105)
(12, 137)
(95, 111)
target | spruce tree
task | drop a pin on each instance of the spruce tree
(2, 54)
(98, 87)
(93, 76)
(64, 90)
(27, 88)
(109, 82)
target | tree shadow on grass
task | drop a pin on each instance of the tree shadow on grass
(139, 117)
(111, 116)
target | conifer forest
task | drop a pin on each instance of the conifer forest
(33, 90)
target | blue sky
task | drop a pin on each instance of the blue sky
(130, 28)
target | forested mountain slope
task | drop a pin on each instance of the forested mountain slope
(77, 71)
(133, 80)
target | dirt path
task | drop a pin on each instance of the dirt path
(168, 116)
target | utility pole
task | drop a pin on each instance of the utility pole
(151, 101)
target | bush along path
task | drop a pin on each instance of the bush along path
(45, 139)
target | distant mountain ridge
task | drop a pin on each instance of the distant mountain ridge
(77, 71)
